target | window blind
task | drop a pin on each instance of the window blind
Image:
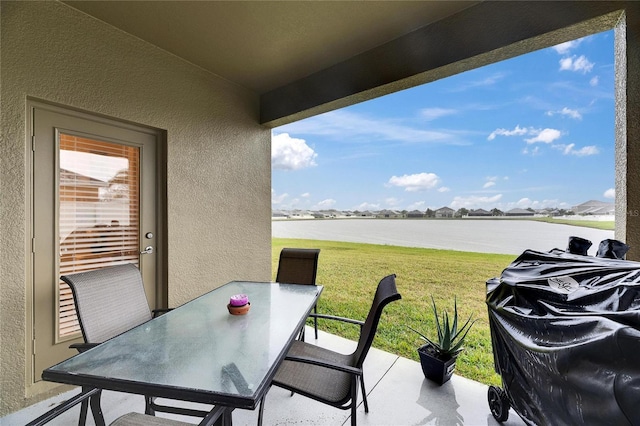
(98, 217)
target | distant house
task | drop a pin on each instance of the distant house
(415, 213)
(388, 214)
(445, 212)
(519, 212)
(479, 212)
(594, 207)
(365, 213)
(276, 214)
(301, 214)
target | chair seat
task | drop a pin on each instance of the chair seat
(331, 377)
(137, 419)
(331, 385)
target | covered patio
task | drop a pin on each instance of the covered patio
(398, 394)
(209, 80)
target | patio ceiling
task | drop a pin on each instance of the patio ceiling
(263, 45)
(308, 57)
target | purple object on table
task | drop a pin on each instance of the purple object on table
(239, 300)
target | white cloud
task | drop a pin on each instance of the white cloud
(419, 205)
(490, 181)
(484, 82)
(392, 202)
(571, 113)
(531, 151)
(289, 153)
(524, 203)
(325, 204)
(367, 206)
(278, 199)
(610, 193)
(545, 136)
(346, 126)
(444, 189)
(582, 152)
(434, 113)
(564, 48)
(415, 182)
(539, 135)
(586, 151)
(594, 81)
(474, 201)
(285, 202)
(580, 64)
(517, 131)
(566, 148)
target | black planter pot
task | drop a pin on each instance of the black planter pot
(435, 369)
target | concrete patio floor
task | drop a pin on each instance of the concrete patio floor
(398, 394)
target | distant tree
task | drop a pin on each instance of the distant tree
(531, 210)
(497, 212)
(462, 212)
(430, 213)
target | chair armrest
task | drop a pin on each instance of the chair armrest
(324, 363)
(158, 312)
(59, 409)
(82, 347)
(332, 317)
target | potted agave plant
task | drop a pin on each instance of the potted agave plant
(438, 356)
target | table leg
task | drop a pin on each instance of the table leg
(219, 416)
(96, 409)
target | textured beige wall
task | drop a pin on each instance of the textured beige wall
(627, 58)
(218, 157)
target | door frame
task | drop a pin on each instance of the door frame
(33, 387)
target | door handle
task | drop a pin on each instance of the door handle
(147, 250)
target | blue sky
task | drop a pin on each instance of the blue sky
(533, 131)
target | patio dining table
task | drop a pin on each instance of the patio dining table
(199, 352)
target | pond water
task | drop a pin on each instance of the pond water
(506, 236)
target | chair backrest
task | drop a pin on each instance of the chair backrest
(298, 266)
(109, 301)
(385, 294)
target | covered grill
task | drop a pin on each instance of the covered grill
(565, 330)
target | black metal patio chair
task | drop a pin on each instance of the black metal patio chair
(299, 266)
(110, 301)
(214, 417)
(331, 377)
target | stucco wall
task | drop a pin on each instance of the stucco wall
(627, 52)
(218, 157)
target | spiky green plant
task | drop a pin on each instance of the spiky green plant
(450, 337)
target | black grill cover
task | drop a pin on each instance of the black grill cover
(565, 330)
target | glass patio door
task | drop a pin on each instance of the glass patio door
(91, 209)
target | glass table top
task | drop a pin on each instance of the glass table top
(199, 351)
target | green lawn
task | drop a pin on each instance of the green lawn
(605, 225)
(350, 273)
